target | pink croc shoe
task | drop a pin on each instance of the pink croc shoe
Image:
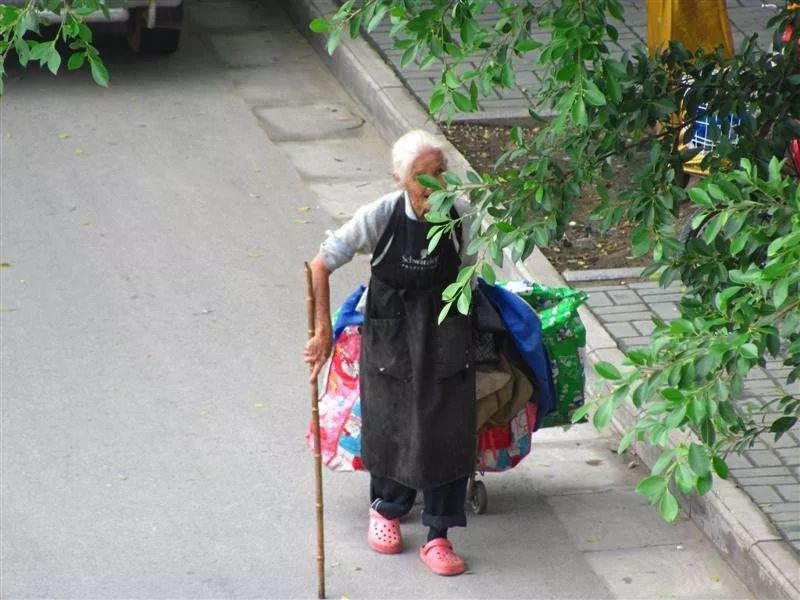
(384, 534)
(438, 555)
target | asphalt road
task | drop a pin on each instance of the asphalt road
(153, 318)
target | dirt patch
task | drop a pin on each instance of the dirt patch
(582, 246)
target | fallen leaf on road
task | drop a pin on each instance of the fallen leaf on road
(304, 208)
(335, 564)
(301, 221)
(64, 136)
(80, 152)
(715, 578)
(356, 568)
(203, 413)
(592, 540)
(86, 223)
(5, 309)
(5, 264)
(255, 195)
(633, 464)
(595, 462)
(255, 254)
(258, 405)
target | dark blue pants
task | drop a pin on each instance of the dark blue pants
(444, 505)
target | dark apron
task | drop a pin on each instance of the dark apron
(417, 386)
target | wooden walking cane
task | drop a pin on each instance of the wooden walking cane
(317, 455)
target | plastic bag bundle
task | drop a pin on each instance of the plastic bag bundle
(564, 337)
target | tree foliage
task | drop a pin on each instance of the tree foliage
(20, 28)
(739, 264)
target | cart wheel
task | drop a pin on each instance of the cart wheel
(478, 499)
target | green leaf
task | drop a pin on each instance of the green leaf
(523, 46)
(625, 442)
(450, 291)
(602, 416)
(333, 41)
(54, 61)
(714, 226)
(781, 425)
(668, 507)
(749, 350)
(408, 56)
(704, 484)
(593, 95)
(76, 60)
(434, 241)
(580, 413)
(23, 51)
(473, 177)
(780, 293)
(488, 273)
(319, 25)
(443, 313)
(40, 51)
(720, 467)
(437, 101)
(462, 102)
(673, 394)
(681, 326)
(701, 197)
(578, 113)
(99, 72)
(663, 462)
(429, 181)
(451, 178)
(698, 460)
(607, 371)
(651, 486)
(684, 478)
(464, 301)
(465, 273)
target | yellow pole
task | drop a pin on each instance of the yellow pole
(696, 23)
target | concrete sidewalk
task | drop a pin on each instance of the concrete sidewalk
(758, 549)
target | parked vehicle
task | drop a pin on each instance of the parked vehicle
(153, 26)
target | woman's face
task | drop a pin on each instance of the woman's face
(428, 162)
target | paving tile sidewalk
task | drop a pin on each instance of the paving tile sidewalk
(747, 17)
(770, 471)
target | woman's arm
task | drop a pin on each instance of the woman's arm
(318, 348)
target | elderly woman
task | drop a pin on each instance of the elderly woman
(417, 386)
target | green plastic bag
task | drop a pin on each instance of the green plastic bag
(564, 337)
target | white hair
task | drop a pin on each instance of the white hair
(408, 147)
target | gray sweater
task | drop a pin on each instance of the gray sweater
(362, 232)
